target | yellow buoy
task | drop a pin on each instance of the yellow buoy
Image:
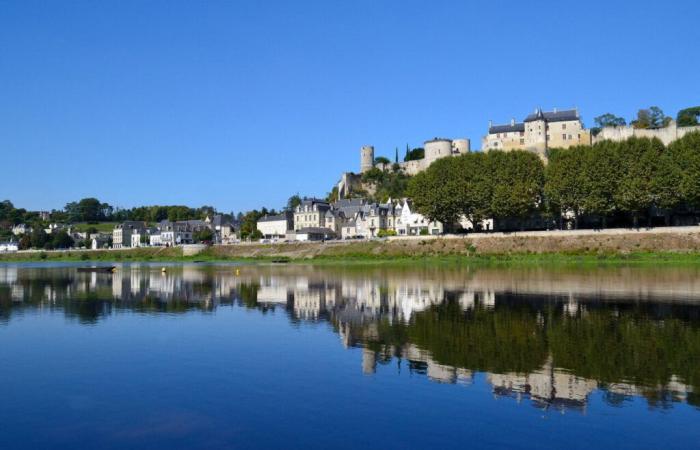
(238, 272)
(163, 269)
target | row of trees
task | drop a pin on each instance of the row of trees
(479, 185)
(626, 180)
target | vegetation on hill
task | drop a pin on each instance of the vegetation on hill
(385, 184)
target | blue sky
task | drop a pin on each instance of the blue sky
(241, 104)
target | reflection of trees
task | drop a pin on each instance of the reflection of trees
(626, 346)
(633, 350)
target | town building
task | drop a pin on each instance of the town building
(121, 235)
(9, 247)
(539, 131)
(21, 229)
(276, 226)
(224, 230)
(99, 240)
(314, 234)
(310, 213)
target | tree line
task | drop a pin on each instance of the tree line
(622, 182)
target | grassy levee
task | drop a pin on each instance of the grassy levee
(136, 254)
(626, 247)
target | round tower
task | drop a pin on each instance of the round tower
(436, 149)
(366, 158)
(461, 146)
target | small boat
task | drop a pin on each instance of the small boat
(104, 269)
(281, 260)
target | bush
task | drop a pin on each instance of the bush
(385, 233)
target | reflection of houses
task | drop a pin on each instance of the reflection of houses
(547, 387)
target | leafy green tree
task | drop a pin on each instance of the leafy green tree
(688, 117)
(599, 177)
(653, 117)
(25, 242)
(381, 160)
(518, 182)
(638, 158)
(437, 192)
(686, 153)
(39, 238)
(62, 240)
(204, 235)
(293, 202)
(415, 154)
(609, 120)
(477, 189)
(565, 185)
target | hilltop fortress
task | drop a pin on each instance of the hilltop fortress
(434, 149)
(538, 132)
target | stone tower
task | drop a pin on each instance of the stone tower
(536, 132)
(366, 158)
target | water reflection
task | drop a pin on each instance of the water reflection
(550, 338)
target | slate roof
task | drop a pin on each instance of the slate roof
(553, 116)
(507, 128)
(275, 218)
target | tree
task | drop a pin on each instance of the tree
(599, 176)
(293, 202)
(518, 181)
(204, 235)
(62, 240)
(39, 237)
(396, 156)
(609, 120)
(688, 117)
(565, 181)
(653, 117)
(477, 187)
(437, 192)
(638, 158)
(686, 153)
(25, 242)
(381, 160)
(415, 154)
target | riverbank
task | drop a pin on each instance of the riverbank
(656, 246)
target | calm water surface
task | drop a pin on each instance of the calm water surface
(225, 356)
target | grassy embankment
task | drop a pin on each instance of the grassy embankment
(626, 248)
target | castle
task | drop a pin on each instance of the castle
(538, 132)
(434, 149)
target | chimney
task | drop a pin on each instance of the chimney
(490, 123)
(512, 122)
(555, 110)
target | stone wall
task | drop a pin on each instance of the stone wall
(667, 135)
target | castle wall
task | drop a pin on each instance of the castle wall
(667, 135)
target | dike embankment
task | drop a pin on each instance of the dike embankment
(680, 244)
(683, 242)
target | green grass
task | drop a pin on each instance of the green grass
(102, 227)
(357, 258)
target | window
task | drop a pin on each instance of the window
(522, 141)
(569, 137)
(563, 126)
(563, 136)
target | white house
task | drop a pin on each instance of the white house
(8, 247)
(413, 223)
(21, 228)
(276, 226)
